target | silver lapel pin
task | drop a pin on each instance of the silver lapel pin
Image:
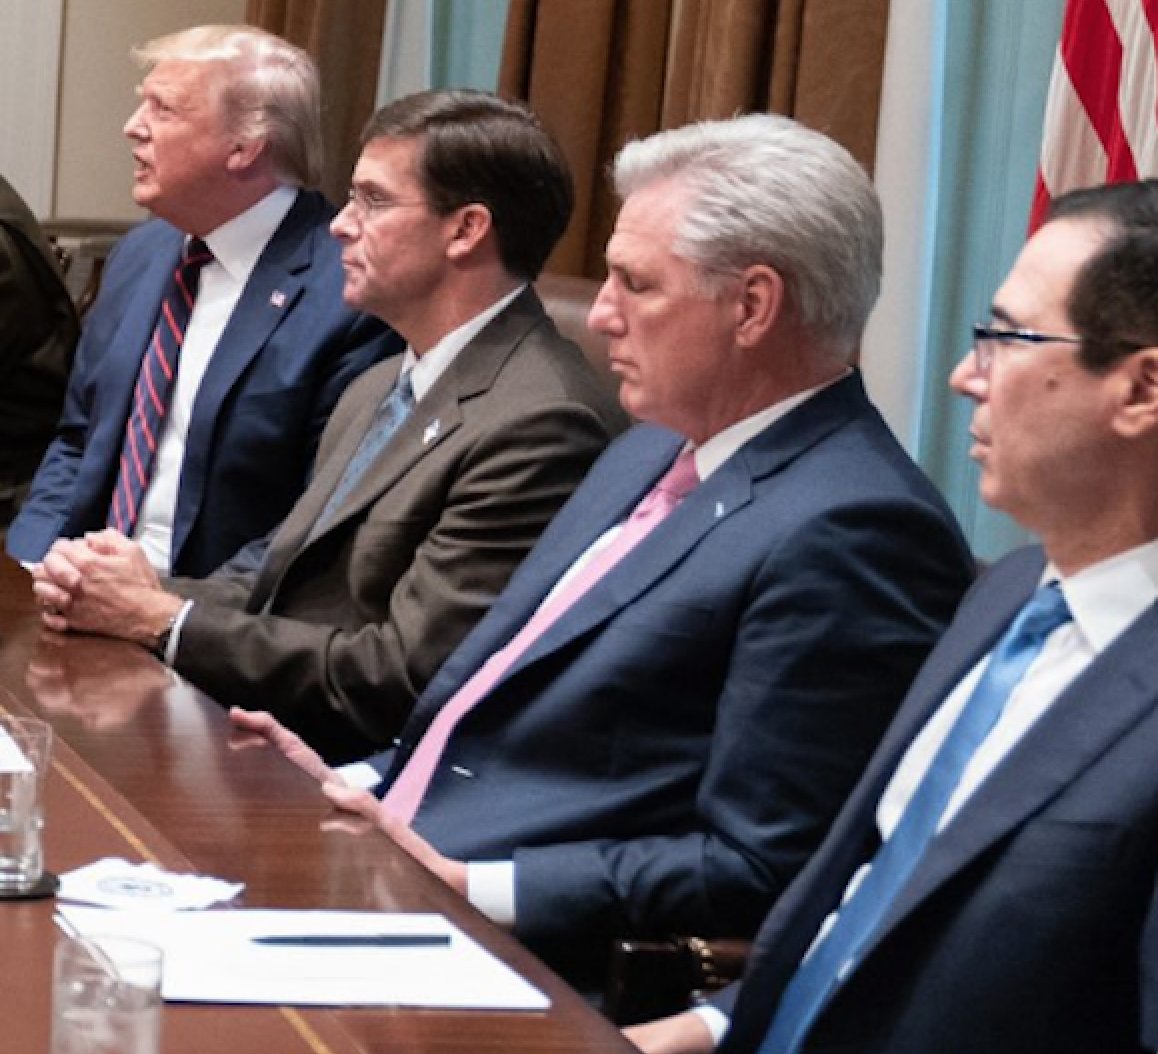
(431, 433)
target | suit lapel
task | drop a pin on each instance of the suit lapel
(969, 638)
(654, 558)
(138, 320)
(730, 488)
(438, 416)
(271, 294)
(1101, 706)
(295, 531)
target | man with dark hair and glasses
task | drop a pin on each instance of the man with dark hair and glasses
(991, 883)
(438, 469)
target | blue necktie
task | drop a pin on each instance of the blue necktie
(395, 408)
(834, 956)
(154, 389)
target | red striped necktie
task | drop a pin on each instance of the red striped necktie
(154, 388)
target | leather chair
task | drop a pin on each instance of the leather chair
(650, 979)
(81, 247)
(568, 301)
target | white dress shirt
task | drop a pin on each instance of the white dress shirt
(236, 247)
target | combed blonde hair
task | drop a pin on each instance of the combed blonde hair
(269, 90)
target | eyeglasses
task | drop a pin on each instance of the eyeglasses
(370, 202)
(987, 338)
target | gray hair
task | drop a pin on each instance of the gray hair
(269, 91)
(763, 189)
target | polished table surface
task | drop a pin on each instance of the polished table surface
(148, 771)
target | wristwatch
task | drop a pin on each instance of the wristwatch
(161, 644)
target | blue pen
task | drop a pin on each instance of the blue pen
(354, 940)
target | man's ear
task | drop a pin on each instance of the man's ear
(468, 225)
(760, 303)
(245, 154)
(1138, 412)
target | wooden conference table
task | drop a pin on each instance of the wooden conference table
(147, 771)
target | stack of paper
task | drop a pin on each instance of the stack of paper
(317, 958)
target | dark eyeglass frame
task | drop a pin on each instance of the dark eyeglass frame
(987, 336)
(374, 203)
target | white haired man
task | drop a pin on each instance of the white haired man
(655, 723)
(990, 884)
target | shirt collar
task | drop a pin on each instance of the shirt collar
(237, 243)
(426, 370)
(1106, 597)
(713, 453)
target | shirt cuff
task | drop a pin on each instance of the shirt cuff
(490, 887)
(359, 774)
(170, 656)
(716, 1021)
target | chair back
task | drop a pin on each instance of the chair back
(568, 301)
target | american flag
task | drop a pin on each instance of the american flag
(1101, 118)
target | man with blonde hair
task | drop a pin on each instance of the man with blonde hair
(219, 342)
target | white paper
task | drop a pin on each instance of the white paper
(12, 758)
(115, 883)
(210, 958)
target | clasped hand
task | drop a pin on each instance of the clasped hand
(101, 583)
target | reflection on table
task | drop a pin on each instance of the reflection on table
(145, 768)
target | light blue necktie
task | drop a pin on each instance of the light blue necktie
(395, 408)
(832, 959)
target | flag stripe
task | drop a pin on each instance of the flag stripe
(1101, 121)
(1095, 71)
(1138, 88)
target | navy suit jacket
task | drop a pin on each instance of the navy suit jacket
(288, 351)
(1029, 926)
(673, 749)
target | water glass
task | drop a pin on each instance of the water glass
(106, 996)
(25, 747)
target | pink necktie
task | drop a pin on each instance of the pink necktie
(407, 791)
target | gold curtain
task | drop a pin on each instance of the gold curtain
(345, 39)
(600, 72)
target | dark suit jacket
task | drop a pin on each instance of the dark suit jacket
(339, 631)
(289, 350)
(38, 331)
(671, 751)
(1029, 927)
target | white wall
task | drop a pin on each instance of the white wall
(94, 167)
(30, 32)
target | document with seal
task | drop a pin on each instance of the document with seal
(316, 958)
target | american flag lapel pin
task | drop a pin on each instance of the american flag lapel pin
(431, 433)
(277, 298)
